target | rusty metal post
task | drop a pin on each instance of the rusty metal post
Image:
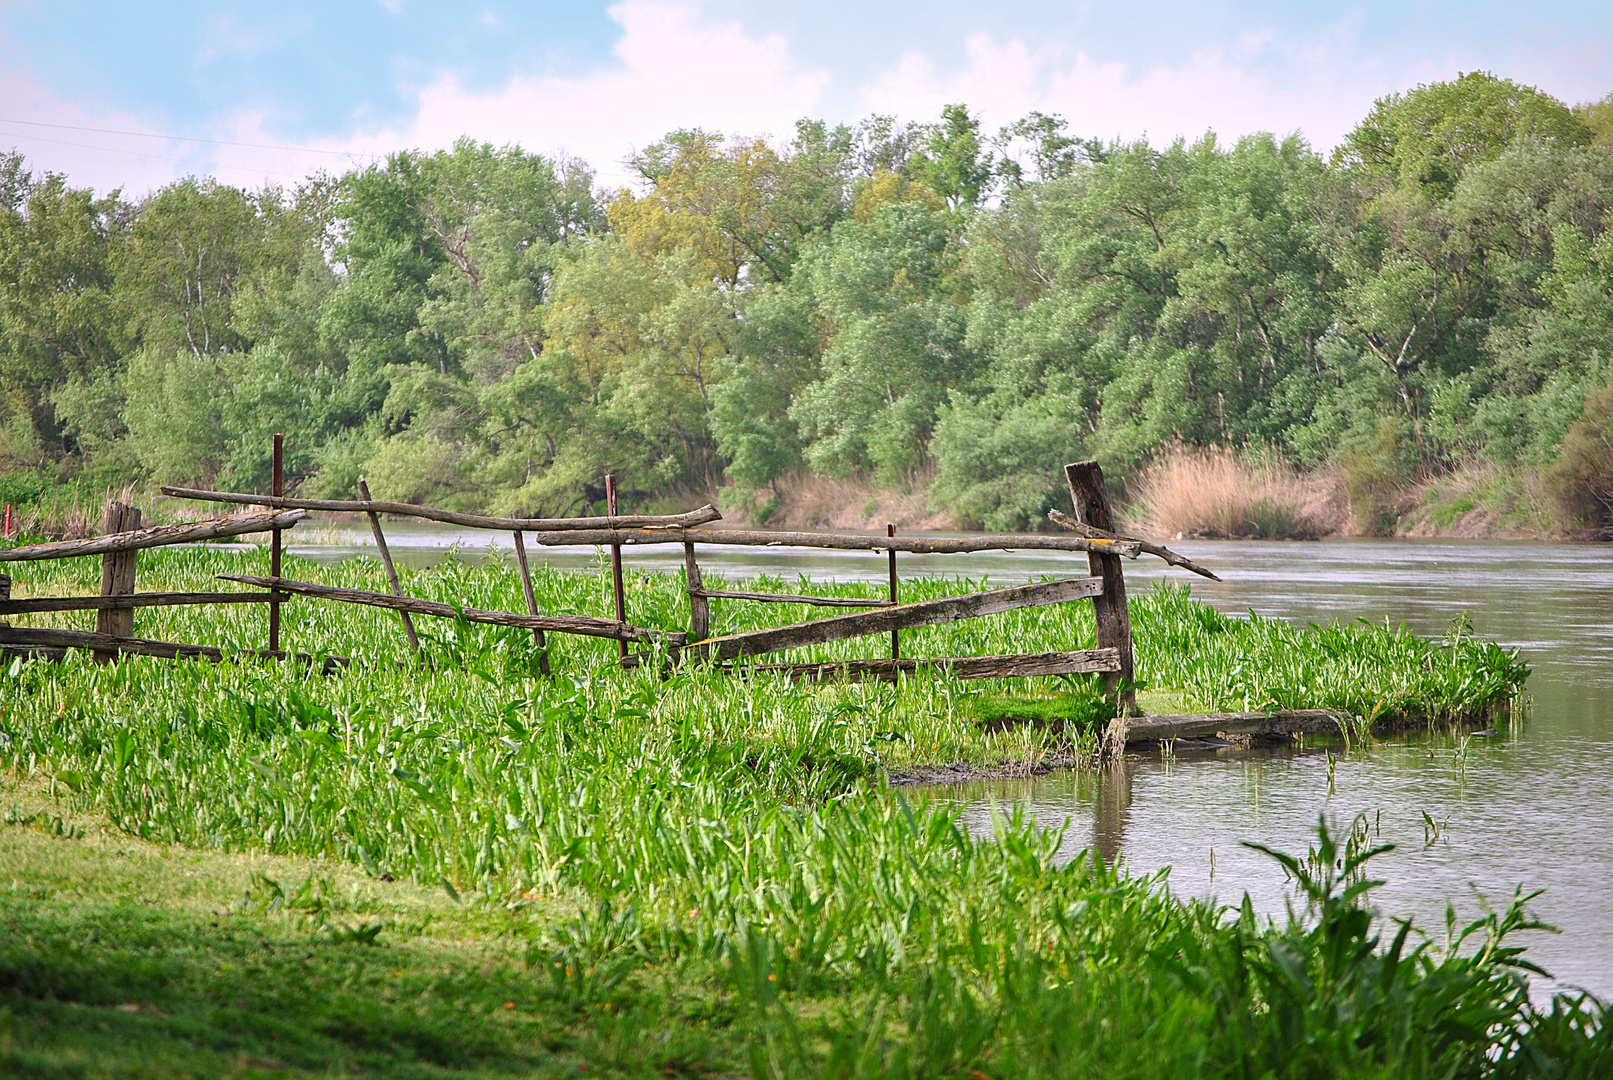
(616, 563)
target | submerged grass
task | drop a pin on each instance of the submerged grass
(702, 874)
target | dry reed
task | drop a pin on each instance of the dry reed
(1221, 494)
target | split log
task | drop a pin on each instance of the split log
(117, 576)
(586, 625)
(449, 517)
(789, 598)
(699, 609)
(1093, 533)
(904, 616)
(1022, 665)
(132, 600)
(43, 638)
(161, 536)
(917, 545)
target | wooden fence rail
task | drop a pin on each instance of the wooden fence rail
(161, 536)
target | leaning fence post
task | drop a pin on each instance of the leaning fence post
(1091, 504)
(699, 606)
(616, 564)
(117, 577)
(531, 604)
(391, 570)
(277, 488)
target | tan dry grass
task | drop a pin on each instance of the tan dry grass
(1218, 493)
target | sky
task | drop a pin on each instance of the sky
(134, 95)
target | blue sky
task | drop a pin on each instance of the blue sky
(323, 85)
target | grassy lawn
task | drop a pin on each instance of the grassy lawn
(244, 869)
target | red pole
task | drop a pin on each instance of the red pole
(8, 521)
(616, 563)
(277, 488)
(896, 635)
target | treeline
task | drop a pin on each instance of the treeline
(920, 304)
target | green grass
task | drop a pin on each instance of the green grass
(683, 876)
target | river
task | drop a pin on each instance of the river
(1530, 807)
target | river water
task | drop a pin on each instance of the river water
(1530, 807)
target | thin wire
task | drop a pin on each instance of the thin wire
(179, 138)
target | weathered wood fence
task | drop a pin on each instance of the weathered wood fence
(1092, 523)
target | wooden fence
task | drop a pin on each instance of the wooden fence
(1092, 526)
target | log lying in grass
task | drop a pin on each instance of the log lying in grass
(449, 517)
(901, 617)
(1202, 725)
(1020, 665)
(41, 638)
(917, 545)
(132, 600)
(161, 536)
(586, 625)
(789, 598)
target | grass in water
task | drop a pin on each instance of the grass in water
(251, 869)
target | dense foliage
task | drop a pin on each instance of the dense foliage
(700, 874)
(922, 304)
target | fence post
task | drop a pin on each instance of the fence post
(117, 577)
(277, 488)
(896, 635)
(531, 604)
(616, 564)
(1091, 504)
(699, 606)
(391, 570)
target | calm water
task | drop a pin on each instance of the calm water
(1531, 807)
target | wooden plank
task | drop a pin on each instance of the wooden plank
(586, 625)
(923, 613)
(1022, 665)
(134, 600)
(531, 603)
(470, 521)
(788, 598)
(117, 576)
(391, 570)
(1091, 504)
(1199, 725)
(45, 638)
(161, 536)
(918, 545)
(1091, 532)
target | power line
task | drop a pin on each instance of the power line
(181, 138)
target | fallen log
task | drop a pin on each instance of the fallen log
(586, 625)
(901, 617)
(1020, 665)
(450, 517)
(161, 536)
(49, 638)
(1200, 725)
(130, 600)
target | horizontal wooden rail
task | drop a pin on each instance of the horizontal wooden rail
(450, 517)
(161, 536)
(586, 625)
(1020, 665)
(132, 600)
(50, 638)
(917, 545)
(900, 617)
(788, 598)
(1092, 532)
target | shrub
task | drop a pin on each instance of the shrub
(1581, 480)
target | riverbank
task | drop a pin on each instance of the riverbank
(698, 874)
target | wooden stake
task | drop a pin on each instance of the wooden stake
(1091, 504)
(699, 606)
(896, 635)
(277, 488)
(531, 603)
(391, 570)
(117, 578)
(616, 562)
